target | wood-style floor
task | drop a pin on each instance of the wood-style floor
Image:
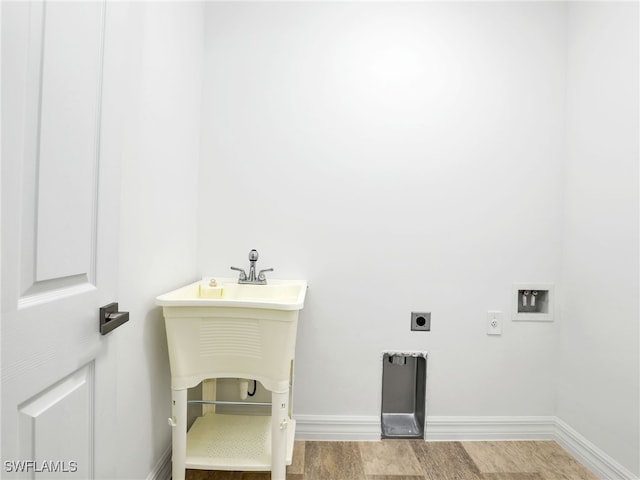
(419, 460)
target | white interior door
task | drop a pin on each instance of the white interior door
(60, 157)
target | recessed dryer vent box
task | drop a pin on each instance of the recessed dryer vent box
(404, 384)
(533, 302)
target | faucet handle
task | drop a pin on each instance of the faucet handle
(261, 276)
(243, 275)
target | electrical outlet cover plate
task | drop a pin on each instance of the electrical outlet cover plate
(494, 322)
(421, 321)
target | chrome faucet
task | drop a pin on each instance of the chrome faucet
(252, 279)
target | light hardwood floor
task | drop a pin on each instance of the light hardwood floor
(419, 460)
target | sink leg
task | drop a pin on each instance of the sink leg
(279, 419)
(179, 433)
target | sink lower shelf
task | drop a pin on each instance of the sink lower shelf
(233, 442)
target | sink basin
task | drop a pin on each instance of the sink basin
(231, 330)
(276, 295)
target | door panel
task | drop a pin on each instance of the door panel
(44, 417)
(62, 137)
(69, 137)
(61, 133)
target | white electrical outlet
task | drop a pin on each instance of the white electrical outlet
(494, 322)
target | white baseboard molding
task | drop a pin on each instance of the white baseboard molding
(162, 469)
(367, 428)
(337, 427)
(601, 464)
(490, 428)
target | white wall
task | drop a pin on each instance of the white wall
(599, 374)
(158, 217)
(400, 157)
(1, 130)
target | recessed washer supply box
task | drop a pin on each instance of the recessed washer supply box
(533, 302)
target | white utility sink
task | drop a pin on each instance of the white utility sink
(228, 330)
(227, 292)
(218, 328)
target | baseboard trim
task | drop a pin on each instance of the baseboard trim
(367, 428)
(601, 464)
(337, 428)
(162, 469)
(489, 428)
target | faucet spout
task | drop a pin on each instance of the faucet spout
(253, 258)
(251, 277)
